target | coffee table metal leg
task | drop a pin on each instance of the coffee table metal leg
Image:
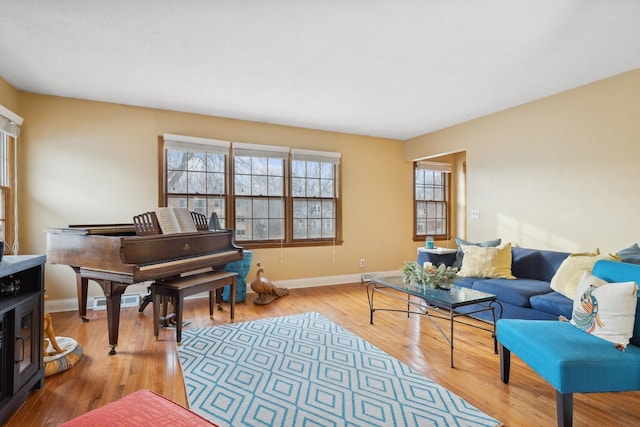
(451, 320)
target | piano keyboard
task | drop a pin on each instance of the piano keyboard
(175, 262)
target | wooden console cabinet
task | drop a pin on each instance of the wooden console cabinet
(21, 330)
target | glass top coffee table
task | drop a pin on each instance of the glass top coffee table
(431, 303)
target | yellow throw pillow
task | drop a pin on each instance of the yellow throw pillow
(566, 279)
(492, 262)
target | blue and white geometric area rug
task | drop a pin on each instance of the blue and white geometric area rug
(304, 370)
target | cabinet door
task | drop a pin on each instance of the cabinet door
(28, 344)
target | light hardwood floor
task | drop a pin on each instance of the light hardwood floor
(143, 362)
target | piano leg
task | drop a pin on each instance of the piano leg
(218, 293)
(82, 285)
(113, 291)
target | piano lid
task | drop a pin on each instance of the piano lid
(96, 229)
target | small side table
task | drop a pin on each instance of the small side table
(436, 256)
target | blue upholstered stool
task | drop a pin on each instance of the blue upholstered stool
(571, 360)
(242, 268)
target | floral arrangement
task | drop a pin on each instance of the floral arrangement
(429, 275)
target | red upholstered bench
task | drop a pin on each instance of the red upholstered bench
(141, 408)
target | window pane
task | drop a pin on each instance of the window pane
(276, 229)
(315, 229)
(177, 181)
(215, 162)
(217, 205)
(314, 209)
(243, 185)
(215, 183)
(276, 208)
(328, 228)
(260, 208)
(328, 209)
(196, 183)
(260, 229)
(276, 167)
(326, 188)
(242, 165)
(298, 187)
(177, 202)
(258, 166)
(275, 186)
(298, 168)
(197, 161)
(176, 160)
(300, 229)
(259, 185)
(313, 188)
(300, 209)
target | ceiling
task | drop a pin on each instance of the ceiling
(387, 68)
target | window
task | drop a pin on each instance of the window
(270, 195)
(9, 131)
(259, 192)
(4, 189)
(196, 175)
(313, 192)
(431, 200)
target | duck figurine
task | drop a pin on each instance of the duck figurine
(266, 290)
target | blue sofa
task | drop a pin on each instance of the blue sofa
(529, 296)
(568, 358)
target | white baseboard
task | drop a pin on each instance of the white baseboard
(71, 304)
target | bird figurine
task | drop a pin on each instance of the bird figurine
(266, 290)
(587, 319)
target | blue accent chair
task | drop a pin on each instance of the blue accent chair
(571, 360)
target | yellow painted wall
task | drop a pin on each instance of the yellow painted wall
(8, 96)
(89, 162)
(559, 173)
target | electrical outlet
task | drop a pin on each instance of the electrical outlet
(362, 263)
(475, 213)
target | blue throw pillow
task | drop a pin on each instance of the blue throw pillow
(630, 254)
(460, 254)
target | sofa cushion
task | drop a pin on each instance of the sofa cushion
(535, 263)
(460, 254)
(515, 291)
(490, 262)
(570, 271)
(553, 303)
(606, 310)
(465, 282)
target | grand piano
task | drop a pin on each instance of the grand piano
(116, 256)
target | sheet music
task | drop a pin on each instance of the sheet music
(175, 220)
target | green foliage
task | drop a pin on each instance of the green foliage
(432, 276)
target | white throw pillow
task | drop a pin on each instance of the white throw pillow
(606, 310)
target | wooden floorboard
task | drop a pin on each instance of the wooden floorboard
(143, 362)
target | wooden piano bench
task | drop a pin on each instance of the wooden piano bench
(185, 286)
(140, 408)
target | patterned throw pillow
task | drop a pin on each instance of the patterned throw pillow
(487, 262)
(606, 310)
(460, 254)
